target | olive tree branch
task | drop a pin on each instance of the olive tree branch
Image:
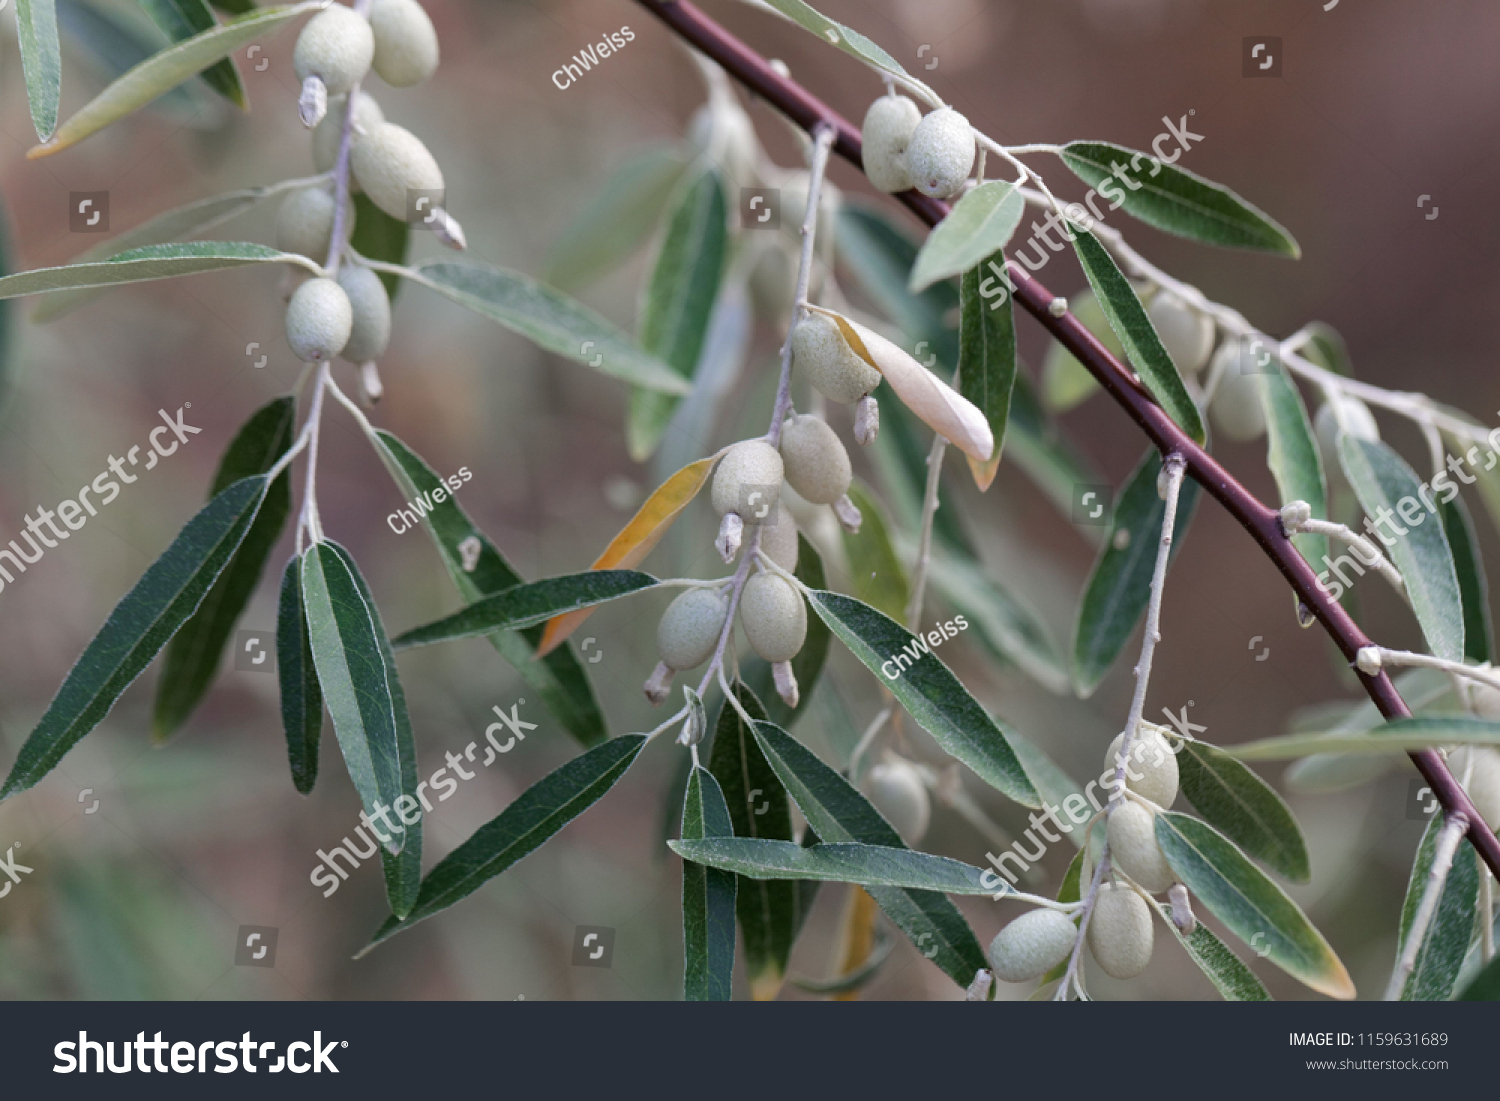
(1262, 523)
(1455, 825)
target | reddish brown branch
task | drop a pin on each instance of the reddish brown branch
(1263, 523)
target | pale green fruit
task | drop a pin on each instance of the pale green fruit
(336, 46)
(825, 359)
(816, 464)
(318, 320)
(896, 789)
(737, 148)
(390, 162)
(778, 538)
(774, 617)
(1484, 778)
(773, 284)
(1152, 759)
(940, 153)
(1360, 424)
(325, 136)
(889, 124)
(1133, 847)
(1186, 334)
(371, 307)
(406, 46)
(690, 628)
(748, 481)
(1032, 945)
(304, 224)
(1120, 932)
(1236, 408)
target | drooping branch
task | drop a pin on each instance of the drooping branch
(1263, 523)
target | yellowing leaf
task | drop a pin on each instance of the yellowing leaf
(939, 406)
(635, 541)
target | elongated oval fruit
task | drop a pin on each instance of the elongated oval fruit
(1152, 762)
(1236, 407)
(390, 163)
(337, 47)
(690, 628)
(889, 125)
(748, 481)
(406, 46)
(326, 135)
(371, 309)
(816, 464)
(304, 223)
(1032, 945)
(318, 320)
(896, 789)
(1133, 847)
(825, 359)
(1186, 334)
(774, 617)
(1484, 778)
(941, 153)
(778, 538)
(1120, 932)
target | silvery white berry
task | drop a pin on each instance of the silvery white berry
(1236, 408)
(326, 135)
(371, 308)
(1133, 847)
(817, 466)
(1120, 931)
(774, 617)
(1032, 945)
(1187, 335)
(825, 359)
(690, 628)
(390, 162)
(406, 46)
(337, 47)
(940, 153)
(748, 481)
(889, 125)
(304, 224)
(778, 538)
(1152, 759)
(896, 789)
(318, 320)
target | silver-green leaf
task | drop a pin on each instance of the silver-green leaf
(140, 265)
(1228, 973)
(41, 60)
(979, 225)
(1441, 955)
(1244, 807)
(1292, 454)
(708, 896)
(838, 862)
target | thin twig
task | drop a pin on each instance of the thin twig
(1452, 833)
(1365, 550)
(924, 546)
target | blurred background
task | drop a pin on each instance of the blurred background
(144, 895)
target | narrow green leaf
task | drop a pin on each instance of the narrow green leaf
(301, 696)
(549, 319)
(1441, 955)
(235, 7)
(874, 567)
(1231, 978)
(114, 38)
(144, 264)
(346, 638)
(929, 691)
(181, 20)
(1127, 317)
(1387, 487)
(403, 870)
(1243, 807)
(1292, 454)
(1473, 586)
(1053, 785)
(41, 59)
(1038, 446)
(979, 225)
(1175, 200)
(534, 816)
(528, 605)
(1486, 985)
(141, 624)
(836, 34)
(478, 569)
(378, 236)
(1119, 588)
(1326, 348)
(708, 897)
(986, 361)
(1400, 736)
(758, 807)
(838, 862)
(194, 653)
(1256, 910)
(183, 221)
(618, 220)
(839, 813)
(678, 301)
(166, 70)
